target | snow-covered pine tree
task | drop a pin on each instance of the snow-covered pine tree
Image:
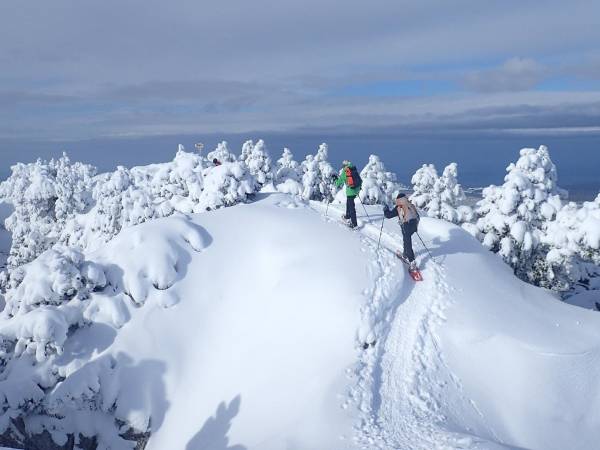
(572, 243)
(512, 216)
(287, 167)
(440, 196)
(316, 176)
(310, 179)
(226, 185)
(423, 182)
(378, 185)
(178, 179)
(221, 154)
(287, 176)
(119, 203)
(326, 186)
(44, 194)
(256, 157)
(129, 197)
(247, 147)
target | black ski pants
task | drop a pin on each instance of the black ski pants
(351, 209)
(408, 229)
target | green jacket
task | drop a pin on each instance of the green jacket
(341, 180)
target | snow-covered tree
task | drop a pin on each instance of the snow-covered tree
(287, 167)
(221, 154)
(178, 179)
(572, 243)
(311, 179)
(440, 196)
(45, 301)
(44, 194)
(256, 157)
(54, 278)
(247, 147)
(317, 176)
(512, 216)
(423, 182)
(127, 197)
(49, 379)
(226, 185)
(119, 203)
(378, 185)
(287, 177)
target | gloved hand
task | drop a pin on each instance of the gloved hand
(385, 208)
(334, 176)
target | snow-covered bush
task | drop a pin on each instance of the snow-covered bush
(178, 180)
(56, 276)
(440, 196)
(119, 203)
(44, 194)
(226, 185)
(39, 300)
(256, 157)
(291, 187)
(221, 154)
(572, 242)
(129, 197)
(317, 174)
(512, 216)
(378, 185)
(61, 310)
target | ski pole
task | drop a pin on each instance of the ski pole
(380, 231)
(425, 247)
(382, 221)
(364, 207)
(330, 198)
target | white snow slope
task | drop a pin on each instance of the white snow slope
(258, 342)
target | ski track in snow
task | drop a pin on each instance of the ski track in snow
(401, 379)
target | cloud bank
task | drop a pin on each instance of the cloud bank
(79, 70)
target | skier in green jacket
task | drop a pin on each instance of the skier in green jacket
(350, 177)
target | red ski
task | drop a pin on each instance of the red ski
(414, 274)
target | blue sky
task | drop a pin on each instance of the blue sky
(76, 71)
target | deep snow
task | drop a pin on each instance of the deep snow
(250, 336)
(266, 328)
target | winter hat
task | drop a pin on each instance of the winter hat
(400, 196)
(346, 163)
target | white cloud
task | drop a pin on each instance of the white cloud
(516, 74)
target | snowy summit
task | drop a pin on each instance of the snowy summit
(226, 306)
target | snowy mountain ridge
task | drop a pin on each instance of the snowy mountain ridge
(195, 334)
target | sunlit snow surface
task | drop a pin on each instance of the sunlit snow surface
(243, 328)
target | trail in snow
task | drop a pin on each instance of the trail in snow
(401, 379)
(470, 357)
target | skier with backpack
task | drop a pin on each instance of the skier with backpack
(408, 217)
(350, 177)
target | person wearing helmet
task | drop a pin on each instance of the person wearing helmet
(408, 217)
(350, 177)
